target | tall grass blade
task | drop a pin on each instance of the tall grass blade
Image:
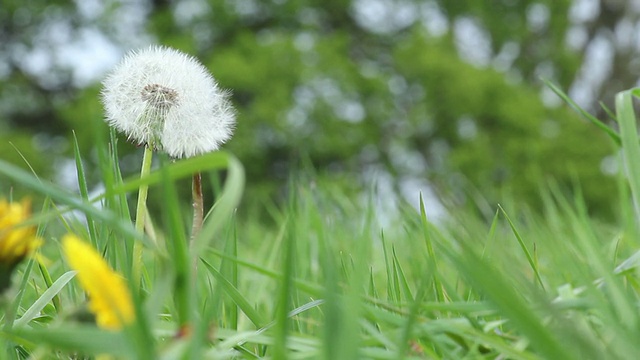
(227, 286)
(401, 278)
(57, 304)
(511, 305)
(389, 270)
(64, 197)
(524, 248)
(286, 287)
(597, 122)
(224, 207)
(630, 145)
(229, 270)
(87, 340)
(45, 298)
(218, 160)
(12, 311)
(408, 328)
(437, 287)
(84, 190)
(177, 248)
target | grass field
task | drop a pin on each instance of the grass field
(320, 278)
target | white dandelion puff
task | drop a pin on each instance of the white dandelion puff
(167, 100)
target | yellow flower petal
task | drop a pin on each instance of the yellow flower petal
(16, 241)
(109, 296)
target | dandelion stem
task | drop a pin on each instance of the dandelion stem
(198, 205)
(198, 217)
(141, 210)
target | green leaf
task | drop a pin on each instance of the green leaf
(524, 248)
(84, 190)
(597, 122)
(430, 252)
(236, 296)
(88, 340)
(64, 197)
(216, 160)
(511, 305)
(630, 143)
(45, 298)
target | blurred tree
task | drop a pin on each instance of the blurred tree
(443, 92)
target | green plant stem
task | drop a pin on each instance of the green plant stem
(198, 218)
(198, 205)
(141, 210)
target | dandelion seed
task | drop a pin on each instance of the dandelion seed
(167, 100)
(109, 297)
(16, 242)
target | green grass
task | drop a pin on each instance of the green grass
(321, 279)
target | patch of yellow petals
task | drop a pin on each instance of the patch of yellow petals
(16, 241)
(109, 297)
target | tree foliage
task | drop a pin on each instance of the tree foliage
(355, 87)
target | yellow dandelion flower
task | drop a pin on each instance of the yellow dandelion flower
(16, 241)
(109, 296)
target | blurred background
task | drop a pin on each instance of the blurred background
(439, 96)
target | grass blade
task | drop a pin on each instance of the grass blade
(229, 269)
(524, 248)
(630, 145)
(511, 305)
(44, 299)
(224, 207)
(84, 190)
(430, 252)
(64, 197)
(597, 122)
(236, 296)
(88, 340)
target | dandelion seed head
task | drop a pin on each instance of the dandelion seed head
(159, 96)
(164, 98)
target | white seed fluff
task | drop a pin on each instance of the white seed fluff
(164, 98)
